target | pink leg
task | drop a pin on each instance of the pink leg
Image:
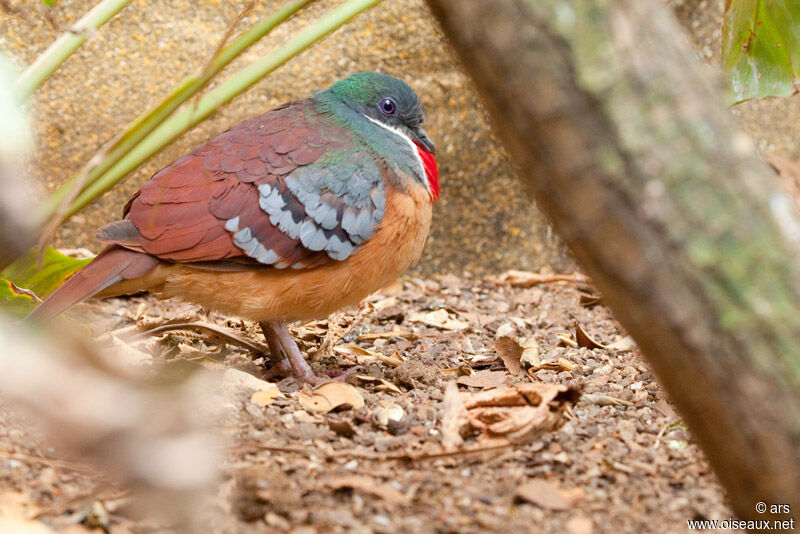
(283, 348)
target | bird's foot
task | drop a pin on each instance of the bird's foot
(288, 361)
(283, 369)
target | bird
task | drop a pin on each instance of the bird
(287, 216)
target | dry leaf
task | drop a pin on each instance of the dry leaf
(548, 495)
(566, 339)
(505, 330)
(605, 400)
(454, 418)
(369, 486)
(520, 413)
(530, 353)
(527, 278)
(626, 344)
(267, 396)
(380, 383)
(585, 340)
(589, 299)
(388, 411)
(355, 351)
(363, 355)
(330, 396)
(461, 370)
(405, 334)
(558, 365)
(484, 379)
(438, 318)
(509, 351)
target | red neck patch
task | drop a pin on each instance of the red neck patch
(431, 170)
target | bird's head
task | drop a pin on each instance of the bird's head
(387, 100)
(392, 104)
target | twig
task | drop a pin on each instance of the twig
(528, 279)
(403, 456)
(405, 334)
(605, 400)
(53, 462)
(72, 193)
(229, 336)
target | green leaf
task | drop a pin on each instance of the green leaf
(13, 300)
(26, 274)
(761, 47)
(49, 2)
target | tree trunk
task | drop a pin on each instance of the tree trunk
(623, 141)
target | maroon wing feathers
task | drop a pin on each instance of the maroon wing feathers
(182, 212)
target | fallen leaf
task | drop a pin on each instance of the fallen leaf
(605, 400)
(454, 418)
(266, 396)
(547, 495)
(380, 383)
(558, 365)
(626, 344)
(520, 413)
(585, 340)
(505, 330)
(530, 353)
(566, 339)
(388, 411)
(483, 379)
(405, 334)
(509, 351)
(330, 396)
(369, 486)
(438, 318)
(354, 350)
(461, 370)
(527, 278)
(363, 355)
(588, 299)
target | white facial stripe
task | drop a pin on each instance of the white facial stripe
(413, 146)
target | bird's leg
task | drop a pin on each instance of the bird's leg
(283, 348)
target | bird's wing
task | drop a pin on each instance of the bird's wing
(285, 189)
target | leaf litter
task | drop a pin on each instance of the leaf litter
(436, 429)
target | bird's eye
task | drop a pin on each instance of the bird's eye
(388, 106)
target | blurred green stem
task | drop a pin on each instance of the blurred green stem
(140, 127)
(181, 121)
(63, 47)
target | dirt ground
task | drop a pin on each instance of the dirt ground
(621, 461)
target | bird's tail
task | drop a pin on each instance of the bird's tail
(112, 265)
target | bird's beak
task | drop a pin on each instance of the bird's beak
(421, 137)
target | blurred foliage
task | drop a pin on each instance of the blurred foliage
(761, 47)
(26, 274)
